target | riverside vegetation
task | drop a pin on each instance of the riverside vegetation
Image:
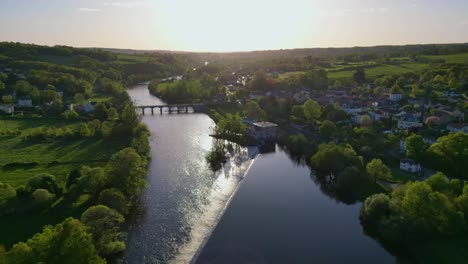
(57, 171)
(74, 158)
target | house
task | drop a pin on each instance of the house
(356, 117)
(25, 102)
(461, 127)
(89, 107)
(395, 97)
(378, 115)
(7, 108)
(410, 165)
(408, 121)
(263, 131)
(351, 108)
(403, 145)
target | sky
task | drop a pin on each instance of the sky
(234, 25)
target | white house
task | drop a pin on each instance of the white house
(403, 145)
(356, 117)
(410, 165)
(89, 107)
(263, 131)
(408, 121)
(395, 97)
(25, 102)
(350, 109)
(7, 108)
(377, 115)
(462, 127)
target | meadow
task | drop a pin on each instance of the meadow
(22, 158)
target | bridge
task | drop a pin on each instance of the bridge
(172, 108)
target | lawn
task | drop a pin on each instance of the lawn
(21, 159)
(455, 58)
(128, 58)
(376, 71)
(286, 75)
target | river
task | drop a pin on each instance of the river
(276, 212)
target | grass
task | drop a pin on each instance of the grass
(62, 60)
(376, 71)
(22, 159)
(454, 58)
(128, 58)
(286, 75)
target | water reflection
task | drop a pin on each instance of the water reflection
(184, 198)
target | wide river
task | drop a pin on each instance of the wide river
(267, 210)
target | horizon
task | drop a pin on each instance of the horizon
(226, 27)
(229, 52)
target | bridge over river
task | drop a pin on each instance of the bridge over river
(172, 108)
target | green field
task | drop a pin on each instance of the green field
(374, 72)
(22, 159)
(455, 58)
(128, 58)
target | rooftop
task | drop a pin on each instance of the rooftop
(265, 124)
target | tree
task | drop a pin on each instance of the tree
(253, 110)
(377, 170)
(100, 111)
(415, 147)
(129, 116)
(126, 171)
(2, 86)
(44, 181)
(396, 89)
(448, 154)
(115, 199)
(42, 198)
(6, 194)
(85, 131)
(70, 115)
(92, 180)
(327, 129)
(112, 114)
(68, 241)
(359, 76)
(7, 99)
(104, 224)
(332, 158)
(366, 121)
(375, 208)
(312, 110)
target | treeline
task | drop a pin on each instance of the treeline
(432, 210)
(110, 190)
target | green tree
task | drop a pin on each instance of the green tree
(104, 224)
(359, 76)
(366, 121)
(327, 129)
(92, 180)
(85, 131)
(100, 111)
(44, 181)
(449, 154)
(312, 110)
(375, 208)
(129, 116)
(68, 241)
(415, 147)
(126, 171)
(396, 89)
(253, 110)
(115, 199)
(376, 169)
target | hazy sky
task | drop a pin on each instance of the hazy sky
(235, 25)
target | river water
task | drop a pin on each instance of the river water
(276, 211)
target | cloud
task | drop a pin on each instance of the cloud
(86, 9)
(130, 4)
